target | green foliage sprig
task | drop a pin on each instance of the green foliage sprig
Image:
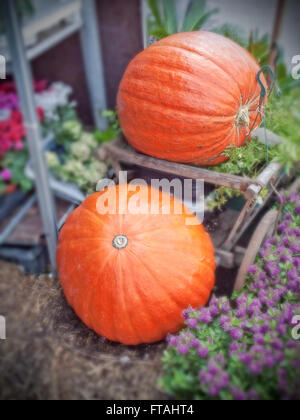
(163, 21)
(16, 162)
(113, 131)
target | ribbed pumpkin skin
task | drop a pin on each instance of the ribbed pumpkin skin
(136, 294)
(188, 97)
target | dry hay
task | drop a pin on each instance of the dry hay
(50, 354)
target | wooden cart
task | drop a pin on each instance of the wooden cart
(229, 253)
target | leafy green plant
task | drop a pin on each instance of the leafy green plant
(164, 17)
(243, 349)
(16, 162)
(282, 118)
(64, 116)
(233, 32)
(76, 163)
(113, 131)
(245, 161)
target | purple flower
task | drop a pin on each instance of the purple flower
(242, 300)
(192, 322)
(203, 352)
(183, 348)
(259, 339)
(246, 358)
(205, 377)
(172, 340)
(296, 262)
(236, 334)
(253, 395)
(195, 342)
(280, 250)
(252, 269)
(226, 307)
(241, 312)
(214, 311)
(255, 368)
(269, 360)
(186, 312)
(272, 268)
(5, 174)
(214, 391)
(286, 258)
(277, 344)
(238, 394)
(205, 316)
(262, 277)
(224, 320)
(297, 210)
(234, 347)
(223, 380)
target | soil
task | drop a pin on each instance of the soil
(49, 354)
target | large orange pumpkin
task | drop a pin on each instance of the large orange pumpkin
(129, 276)
(188, 97)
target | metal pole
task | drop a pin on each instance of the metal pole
(275, 35)
(143, 12)
(23, 78)
(91, 49)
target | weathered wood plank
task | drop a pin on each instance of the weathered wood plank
(117, 151)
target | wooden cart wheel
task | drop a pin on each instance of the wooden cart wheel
(264, 230)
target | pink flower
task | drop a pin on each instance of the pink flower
(19, 146)
(5, 174)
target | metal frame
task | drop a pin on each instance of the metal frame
(23, 77)
(91, 49)
(24, 84)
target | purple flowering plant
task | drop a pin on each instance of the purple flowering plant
(242, 348)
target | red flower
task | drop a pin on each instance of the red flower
(40, 113)
(8, 87)
(40, 85)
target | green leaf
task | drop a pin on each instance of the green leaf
(233, 32)
(194, 9)
(159, 33)
(26, 184)
(153, 6)
(196, 16)
(203, 19)
(170, 15)
(107, 135)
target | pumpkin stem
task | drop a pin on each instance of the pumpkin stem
(120, 242)
(242, 118)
